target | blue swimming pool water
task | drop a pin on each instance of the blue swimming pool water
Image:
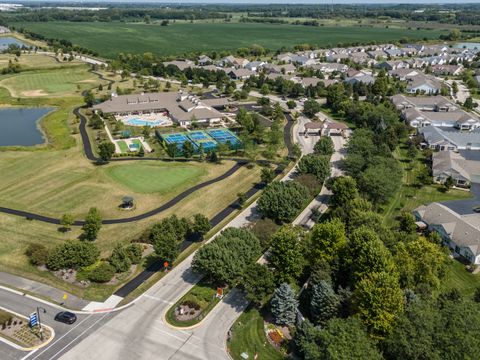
(140, 122)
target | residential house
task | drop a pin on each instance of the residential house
(180, 64)
(255, 66)
(364, 79)
(460, 233)
(444, 139)
(204, 60)
(447, 69)
(403, 74)
(423, 84)
(393, 65)
(240, 74)
(377, 54)
(280, 69)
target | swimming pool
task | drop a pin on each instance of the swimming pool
(142, 122)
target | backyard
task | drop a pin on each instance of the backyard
(411, 194)
(111, 38)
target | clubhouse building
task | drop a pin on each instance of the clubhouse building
(180, 107)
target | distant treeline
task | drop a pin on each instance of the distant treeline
(461, 14)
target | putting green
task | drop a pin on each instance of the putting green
(155, 178)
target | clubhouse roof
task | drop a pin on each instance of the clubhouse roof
(181, 107)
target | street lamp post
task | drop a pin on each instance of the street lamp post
(39, 321)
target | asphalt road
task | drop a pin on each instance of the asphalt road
(65, 335)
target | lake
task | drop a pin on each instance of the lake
(8, 40)
(468, 45)
(19, 126)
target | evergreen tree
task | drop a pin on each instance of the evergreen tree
(324, 304)
(284, 305)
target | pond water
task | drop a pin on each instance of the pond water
(468, 45)
(8, 40)
(19, 126)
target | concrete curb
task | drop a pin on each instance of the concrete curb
(18, 347)
(79, 312)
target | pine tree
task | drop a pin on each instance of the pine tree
(284, 305)
(324, 304)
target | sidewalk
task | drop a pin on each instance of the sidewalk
(45, 291)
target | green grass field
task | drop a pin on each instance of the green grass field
(146, 178)
(123, 146)
(248, 336)
(109, 39)
(409, 196)
(57, 82)
(458, 277)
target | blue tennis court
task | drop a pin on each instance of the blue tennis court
(223, 136)
(198, 135)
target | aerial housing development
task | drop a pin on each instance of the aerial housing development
(239, 181)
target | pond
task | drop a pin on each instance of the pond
(19, 126)
(468, 45)
(8, 40)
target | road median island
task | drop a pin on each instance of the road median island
(16, 332)
(193, 307)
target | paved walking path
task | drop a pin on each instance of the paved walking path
(46, 291)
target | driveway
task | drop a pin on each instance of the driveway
(465, 206)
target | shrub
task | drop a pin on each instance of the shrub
(102, 273)
(134, 252)
(5, 317)
(73, 254)
(37, 254)
(120, 259)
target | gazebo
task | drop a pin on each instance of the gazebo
(127, 202)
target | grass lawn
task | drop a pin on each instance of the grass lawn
(123, 146)
(458, 277)
(410, 196)
(17, 233)
(151, 178)
(248, 336)
(109, 39)
(33, 61)
(66, 81)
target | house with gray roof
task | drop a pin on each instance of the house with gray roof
(442, 139)
(364, 79)
(452, 164)
(423, 84)
(459, 232)
(422, 111)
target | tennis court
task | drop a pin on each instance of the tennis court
(223, 136)
(203, 139)
(176, 138)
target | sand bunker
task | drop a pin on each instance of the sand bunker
(34, 93)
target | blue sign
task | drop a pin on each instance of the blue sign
(33, 319)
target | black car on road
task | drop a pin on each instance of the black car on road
(66, 317)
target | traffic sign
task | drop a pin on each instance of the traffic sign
(33, 317)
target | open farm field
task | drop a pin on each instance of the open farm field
(109, 39)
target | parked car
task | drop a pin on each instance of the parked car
(66, 317)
